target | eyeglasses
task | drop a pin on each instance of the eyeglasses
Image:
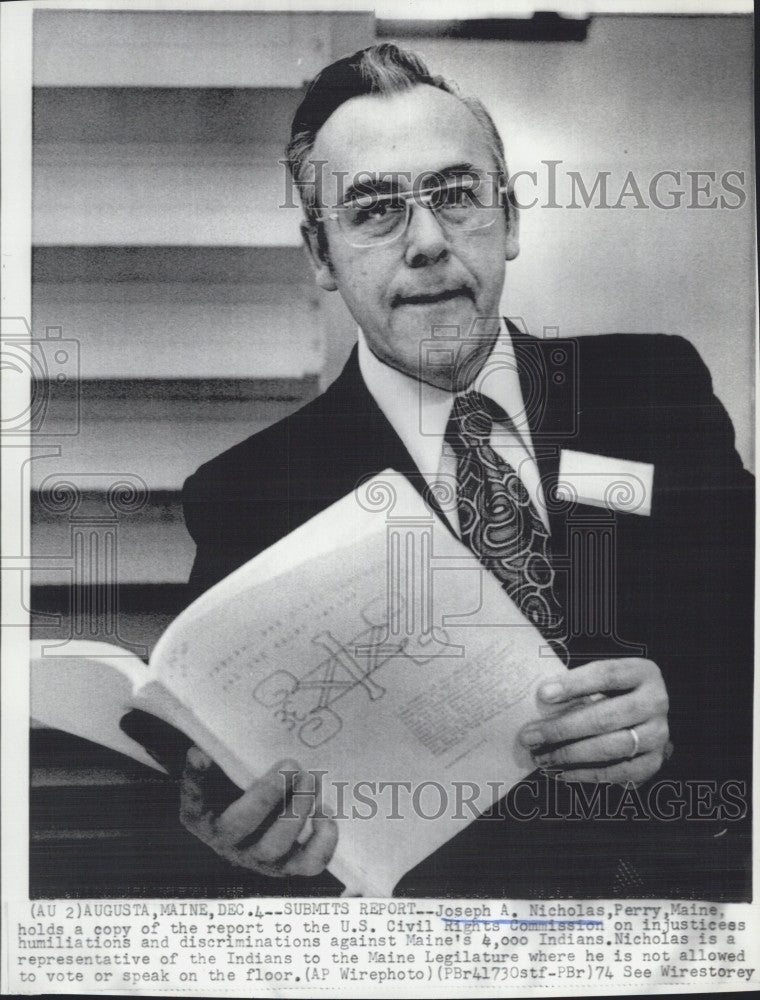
(372, 220)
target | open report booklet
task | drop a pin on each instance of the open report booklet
(368, 644)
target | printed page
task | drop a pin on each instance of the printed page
(390, 657)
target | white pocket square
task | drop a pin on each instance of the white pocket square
(614, 483)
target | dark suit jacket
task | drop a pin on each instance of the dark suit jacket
(678, 587)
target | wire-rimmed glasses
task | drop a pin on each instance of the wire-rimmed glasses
(371, 219)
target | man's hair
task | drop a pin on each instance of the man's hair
(379, 69)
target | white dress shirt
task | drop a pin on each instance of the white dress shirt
(419, 413)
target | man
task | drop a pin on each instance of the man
(408, 217)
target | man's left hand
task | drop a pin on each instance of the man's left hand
(620, 736)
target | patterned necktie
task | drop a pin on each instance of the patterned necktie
(498, 520)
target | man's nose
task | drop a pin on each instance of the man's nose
(426, 239)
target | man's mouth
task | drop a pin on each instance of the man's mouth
(432, 298)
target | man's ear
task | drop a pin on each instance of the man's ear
(316, 244)
(513, 230)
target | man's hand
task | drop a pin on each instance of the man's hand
(619, 736)
(253, 832)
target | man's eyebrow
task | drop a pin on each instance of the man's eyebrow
(379, 184)
(459, 170)
(388, 183)
(368, 187)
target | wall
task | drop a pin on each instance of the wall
(641, 94)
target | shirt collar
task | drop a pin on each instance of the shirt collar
(419, 413)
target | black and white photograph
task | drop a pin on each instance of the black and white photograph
(378, 478)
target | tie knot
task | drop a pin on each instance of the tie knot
(471, 421)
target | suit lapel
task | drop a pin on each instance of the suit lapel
(547, 371)
(369, 442)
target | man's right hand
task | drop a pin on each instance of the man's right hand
(257, 831)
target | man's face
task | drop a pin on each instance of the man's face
(429, 277)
